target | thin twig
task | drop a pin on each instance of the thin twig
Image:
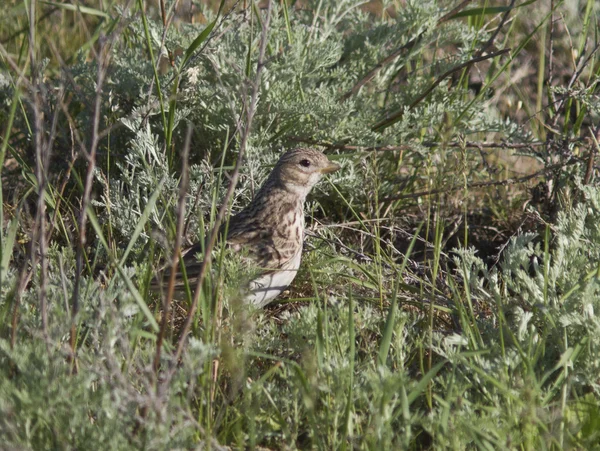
(380, 65)
(494, 35)
(428, 144)
(25, 273)
(27, 27)
(509, 181)
(595, 134)
(393, 117)
(41, 174)
(583, 62)
(551, 58)
(103, 57)
(183, 187)
(250, 110)
(42, 165)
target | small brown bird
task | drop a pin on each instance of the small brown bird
(271, 228)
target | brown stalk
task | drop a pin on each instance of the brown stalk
(41, 172)
(67, 176)
(163, 13)
(429, 144)
(44, 232)
(183, 187)
(250, 110)
(508, 181)
(103, 58)
(42, 152)
(39, 235)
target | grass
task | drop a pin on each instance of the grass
(448, 294)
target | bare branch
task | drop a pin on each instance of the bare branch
(428, 144)
(509, 181)
(250, 110)
(103, 56)
(398, 114)
(490, 41)
(183, 187)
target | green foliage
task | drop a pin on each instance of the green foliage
(409, 335)
(547, 298)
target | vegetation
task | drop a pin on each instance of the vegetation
(449, 291)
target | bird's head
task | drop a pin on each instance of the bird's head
(301, 169)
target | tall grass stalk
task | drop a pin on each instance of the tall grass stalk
(450, 284)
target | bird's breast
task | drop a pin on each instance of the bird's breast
(279, 250)
(267, 287)
(289, 225)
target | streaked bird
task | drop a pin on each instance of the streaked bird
(270, 229)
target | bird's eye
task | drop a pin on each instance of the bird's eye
(305, 163)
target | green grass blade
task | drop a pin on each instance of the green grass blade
(189, 52)
(78, 8)
(286, 17)
(132, 289)
(153, 61)
(488, 11)
(420, 387)
(386, 340)
(6, 249)
(142, 221)
(351, 357)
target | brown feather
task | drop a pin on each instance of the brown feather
(270, 229)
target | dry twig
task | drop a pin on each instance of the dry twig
(399, 113)
(504, 182)
(103, 58)
(250, 111)
(428, 144)
(183, 187)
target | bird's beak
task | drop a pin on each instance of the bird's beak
(332, 167)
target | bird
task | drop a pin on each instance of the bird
(269, 231)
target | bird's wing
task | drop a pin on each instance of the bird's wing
(266, 249)
(246, 241)
(260, 246)
(192, 269)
